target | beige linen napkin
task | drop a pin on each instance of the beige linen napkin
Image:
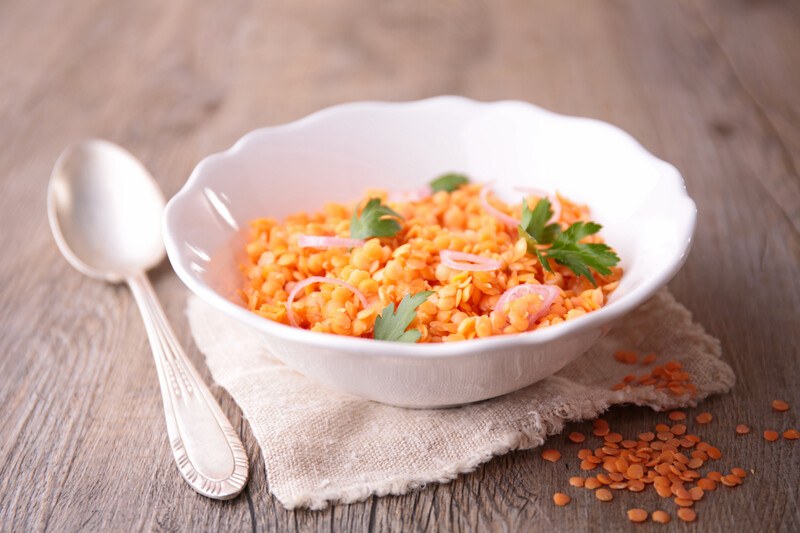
(322, 446)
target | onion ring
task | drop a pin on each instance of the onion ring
(319, 279)
(470, 262)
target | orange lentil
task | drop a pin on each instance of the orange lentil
(714, 453)
(678, 429)
(780, 406)
(604, 495)
(592, 483)
(385, 270)
(684, 502)
(706, 484)
(676, 416)
(696, 493)
(663, 491)
(577, 437)
(647, 437)
(694, 463)
(662, 428)
(586, 465)
(686, 514)
(584, 453)
(561, 499)
(661, 517)
(703, 418)
(771, 435)
(648, 359)
(604, 479)
(714, 476)
(739, 472)
(627, 357)
(637, 515)
(551, 455)
(742, 429)
(791, 434)
(730, 480)
(613, 437)
(577, 481)
(635, 472)
(618, 485)
(636, 485)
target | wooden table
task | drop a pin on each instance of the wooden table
(709, 85)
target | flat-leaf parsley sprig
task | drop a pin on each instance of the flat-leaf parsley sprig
(448, 182)
(391, 324)
(375, 220)
(565, 247)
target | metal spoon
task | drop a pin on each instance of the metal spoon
(105, 214)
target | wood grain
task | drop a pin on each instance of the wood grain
(708, 85)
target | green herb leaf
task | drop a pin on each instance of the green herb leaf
(448, 182)
(534, 222)
(566, 248)
(533, 248)
(391, 325)
(375, 220)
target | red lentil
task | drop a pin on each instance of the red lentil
(561, 499)
(780, 406)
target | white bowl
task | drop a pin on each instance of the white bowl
(337, 153)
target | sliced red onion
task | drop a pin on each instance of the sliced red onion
(319, 279)
(554, 201)
(316, 241)
(548, 294)
(410, 196)
(471, 262)
(496, 213)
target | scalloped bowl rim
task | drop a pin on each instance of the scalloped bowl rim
(605, 315)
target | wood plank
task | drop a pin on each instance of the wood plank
(707, 86)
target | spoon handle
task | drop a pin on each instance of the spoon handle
(207, 450)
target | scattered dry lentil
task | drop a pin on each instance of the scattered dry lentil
(676, 416)
(577, 481)
(704, 418)
(780, 406)
(627, 357)
(661, 517)
(551, 455)
(604, 495)
(637, 515)
(592, 483)
(561, 499)
(686, 514)
(771, 435)
(577, 437)
(649, 359)
(742, 429)
(791, 434)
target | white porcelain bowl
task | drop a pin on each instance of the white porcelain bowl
(337, 153)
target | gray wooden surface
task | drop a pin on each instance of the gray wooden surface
(709, 85)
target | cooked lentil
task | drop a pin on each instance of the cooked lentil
(385, 270)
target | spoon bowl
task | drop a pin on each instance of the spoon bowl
(105, 211)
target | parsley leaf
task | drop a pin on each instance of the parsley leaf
(448, 182)
(391, 325)
(533, 222)
(566, 248)
(375, 220)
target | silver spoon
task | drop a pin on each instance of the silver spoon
(105, 214)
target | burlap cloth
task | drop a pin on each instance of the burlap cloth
(321, 446)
